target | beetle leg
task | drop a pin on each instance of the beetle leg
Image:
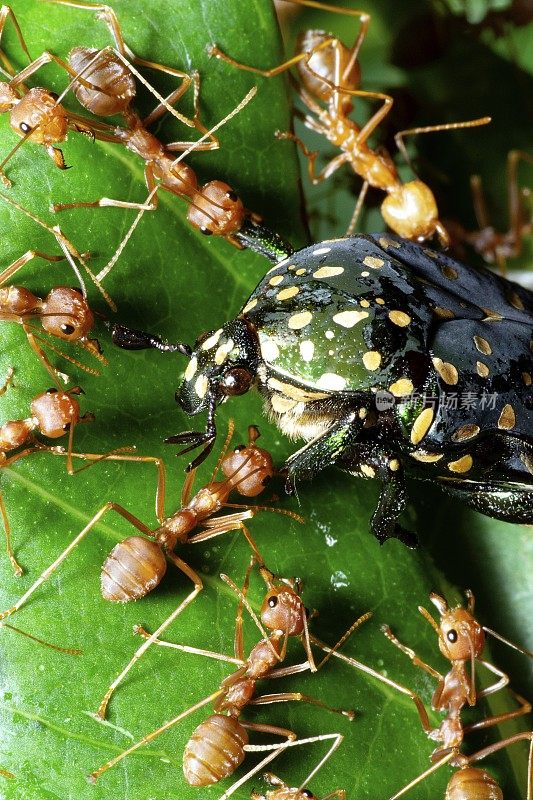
(325, 450)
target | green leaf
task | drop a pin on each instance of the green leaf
(172, 281)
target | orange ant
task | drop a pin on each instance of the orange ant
(63, 313)
(461, 639)
(214, 207)
(493, 246)
(136, 565)
(53, 413)
(219, 745)
(38, 115)
(329, 72)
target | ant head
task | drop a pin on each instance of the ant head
(325, 55)
(114, 84)
(248, 468)
(222, 364)
(54, 412)
(66, 314)
(283, 610)
(216, 209)
(460, 634)
(40, 118)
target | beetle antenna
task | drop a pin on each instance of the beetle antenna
(132, 339)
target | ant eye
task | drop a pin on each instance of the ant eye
(240, 448)
(236, 381)
(273, 601)
(67, 426)
(67, 329)
(307, 793)
(78, 290)
(54, 95)
(51, 391)
(452, 636)
(232, 196)
(206, 231)
(24, 127)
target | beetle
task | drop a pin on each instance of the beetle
(388, 359)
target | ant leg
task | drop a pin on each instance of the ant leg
(8, 380)
(312, 155)
(410, 653)
(184, 648)
(8, 273)
(198, 586)
(244, 601)
(69, 651)
(93, 777)
(488, 722)
(423, 775)
(55, 374)
(357, 210)
(422, 713)
(287, 697)
(66, 552)
(6, 12)
(17, 569)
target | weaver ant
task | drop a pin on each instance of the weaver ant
(329, 72)
(219, 745)
(38, 114)
(461, 639)
(136, 565)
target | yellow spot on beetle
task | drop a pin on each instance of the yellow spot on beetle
(328, 272)
(331, 381)
(364, 303)
(269, 350)
(450, 273)
(394, 465)
(286, 294)
(380, 301)
(367, 470)
(507, 418)
(329, 335)
(299, 320)
(191, 368)
(446, 370)
(349, 318)
(300, 271)
(307, 349)
(200, 387)
(526, 377)
(385, 243)
(443, 313)
(465, 432)
(516, 301)
(421, 425)
(372, 360)
(482, 346)
(212, 340)
(401, 387)
(491, 316)
(248, 307)
(461, 465)
(276, 280)
(425, 457)
(482, 370)
(399, 318)
(372, 261)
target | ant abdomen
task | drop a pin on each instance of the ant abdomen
(132, 569)
(108, 74)
(410, 210)
(471, 783)
(214, 751)
(321, 62)
(39, 112)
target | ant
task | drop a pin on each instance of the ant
(38, 115)
(137, 565)
(214, 207)
(219, 745)
(461, 639)
(63, 313)
(52, 414)
(329, 72)
(496, 247)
